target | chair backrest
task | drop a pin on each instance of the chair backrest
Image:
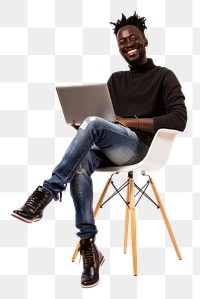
(159, 150)
(156, 156)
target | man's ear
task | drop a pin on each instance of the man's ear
(146, 42)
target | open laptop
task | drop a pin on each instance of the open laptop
(79, 102)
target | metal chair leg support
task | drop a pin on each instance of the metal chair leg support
(165, 218)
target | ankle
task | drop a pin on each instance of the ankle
(88, 240)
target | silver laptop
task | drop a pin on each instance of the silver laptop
(79, 102)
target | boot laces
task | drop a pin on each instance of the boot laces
(88, 254)
(36, 200)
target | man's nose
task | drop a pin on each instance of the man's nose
(130, 43)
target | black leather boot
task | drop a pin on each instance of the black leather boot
(32, 210)
(92, 260)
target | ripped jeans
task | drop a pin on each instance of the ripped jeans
(98, 143)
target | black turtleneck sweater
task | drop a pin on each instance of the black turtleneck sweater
(149, 91)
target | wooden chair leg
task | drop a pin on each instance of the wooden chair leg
(96, 210)
(75, 252)
(126, 217)
(162, 210)
(133, 227)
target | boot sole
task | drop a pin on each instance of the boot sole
(25, 219)
(96, 283)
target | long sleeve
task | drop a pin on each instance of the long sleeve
(174, 100)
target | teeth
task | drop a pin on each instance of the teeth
(132, 52)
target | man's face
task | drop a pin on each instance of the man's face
(132, 43)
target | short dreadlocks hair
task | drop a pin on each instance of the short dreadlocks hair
(135, 20)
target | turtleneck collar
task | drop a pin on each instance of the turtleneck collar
(143, 67)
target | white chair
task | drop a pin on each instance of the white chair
(155, 159)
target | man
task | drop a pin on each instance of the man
(145, 99)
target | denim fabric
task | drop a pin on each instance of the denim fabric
(98, 143)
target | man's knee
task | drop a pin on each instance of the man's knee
(90, 122)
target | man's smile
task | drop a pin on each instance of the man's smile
(132, 52)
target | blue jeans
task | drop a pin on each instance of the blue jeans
(98, 143)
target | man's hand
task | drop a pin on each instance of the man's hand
(121, 120)
(74, 125)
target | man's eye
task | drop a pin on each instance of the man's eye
(134, 38)
(122, 42)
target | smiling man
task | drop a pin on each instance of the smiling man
(145, 98)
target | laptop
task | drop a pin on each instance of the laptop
(81, 101)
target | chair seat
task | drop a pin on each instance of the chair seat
(156, 156)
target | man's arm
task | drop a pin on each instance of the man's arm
(142, 124)
(174, 100)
